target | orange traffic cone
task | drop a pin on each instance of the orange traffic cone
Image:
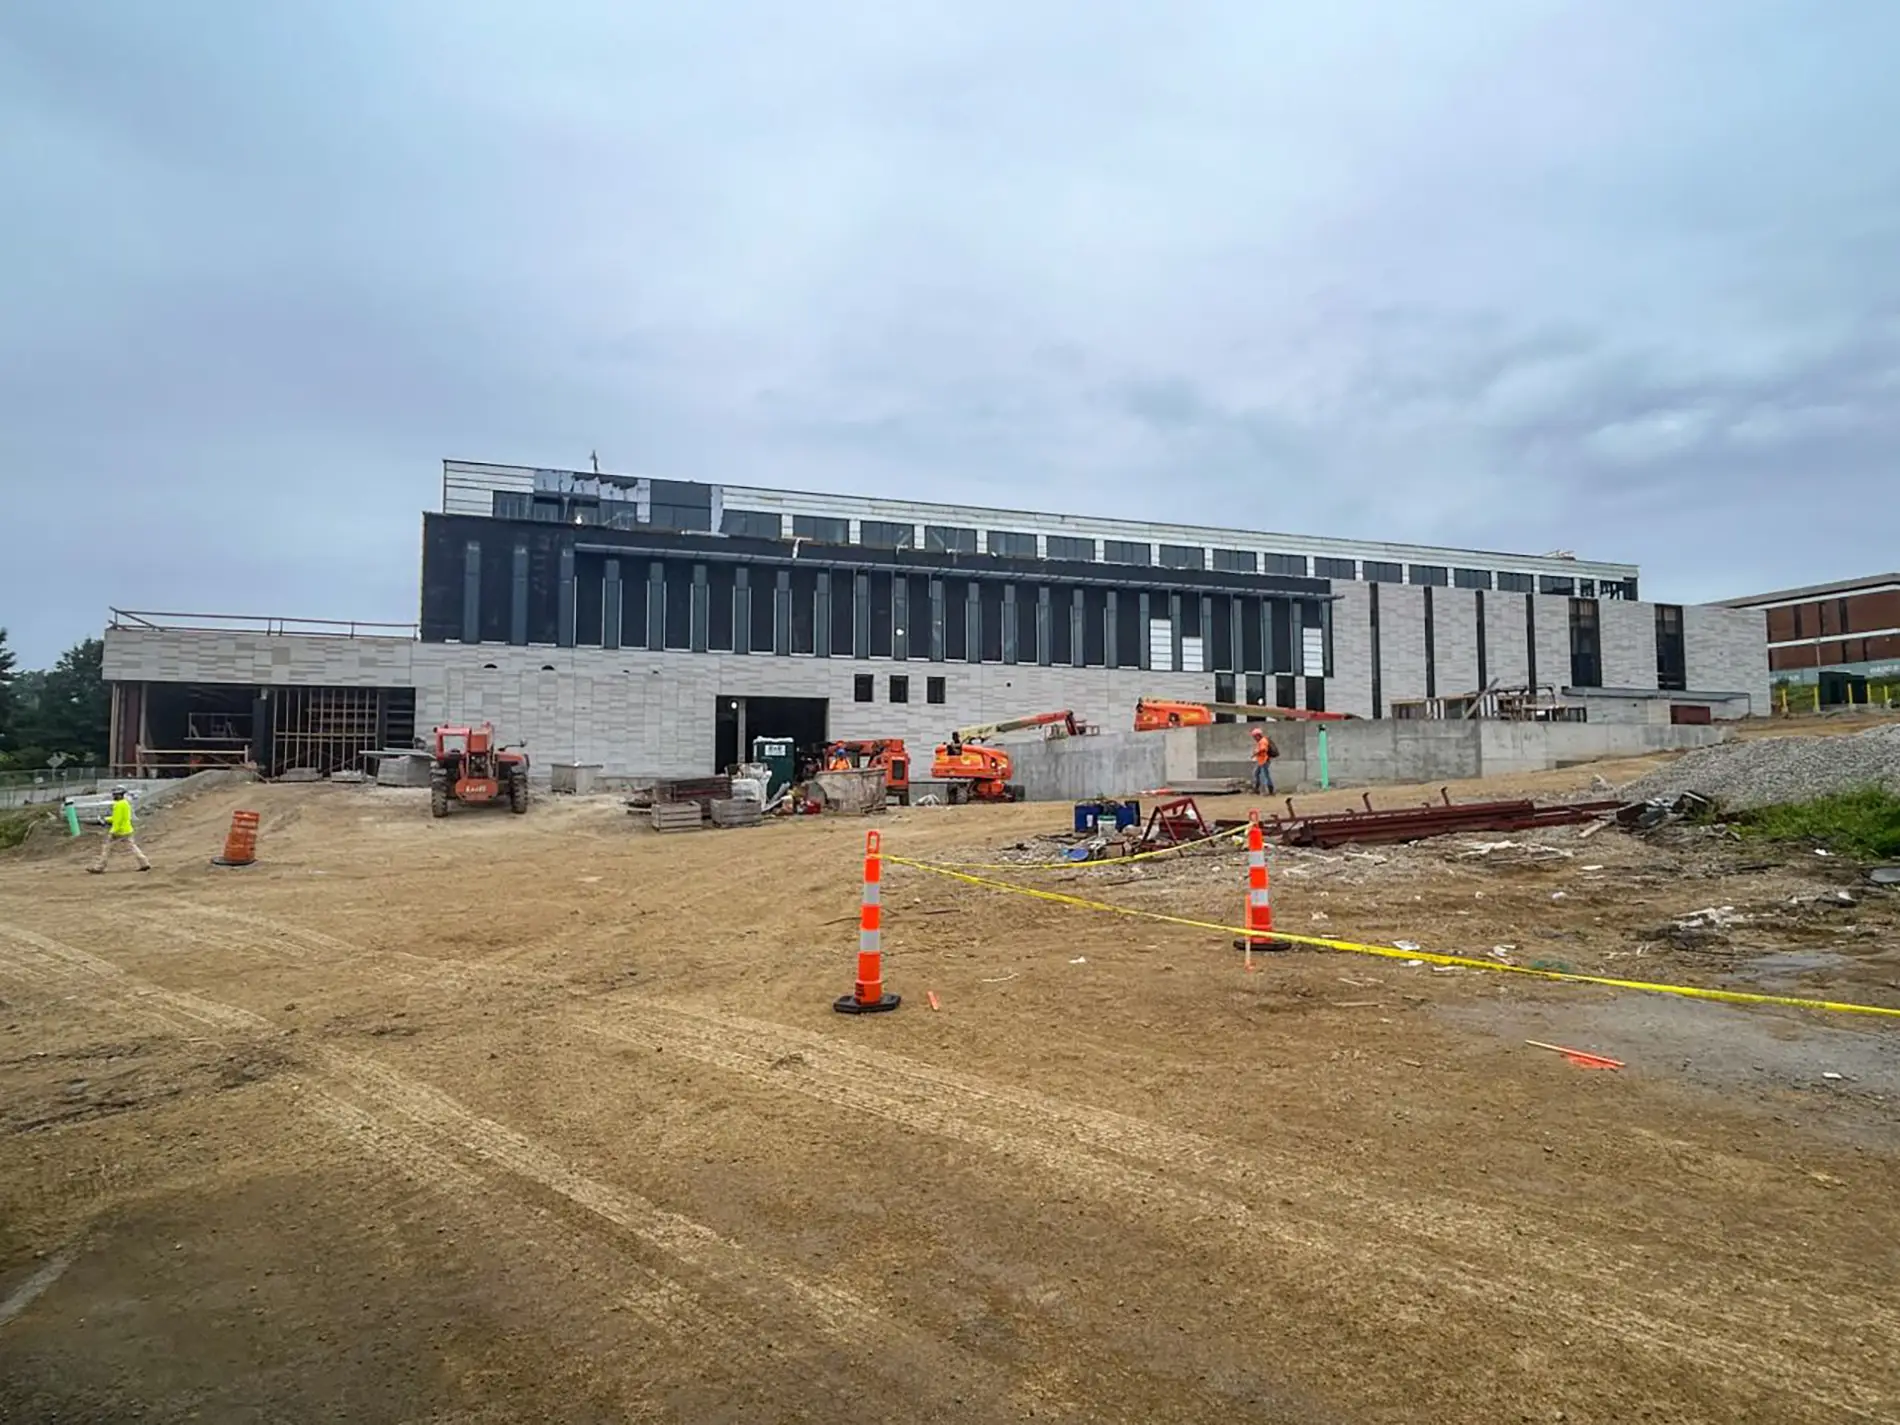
(867, 996)
(1259, 896)
(240, 842)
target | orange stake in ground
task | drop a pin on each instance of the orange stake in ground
(1577, 1056)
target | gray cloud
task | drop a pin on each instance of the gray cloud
(1609, 277)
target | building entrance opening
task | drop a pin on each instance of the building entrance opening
(737, 721)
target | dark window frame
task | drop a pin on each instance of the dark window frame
(898, 688)
(1009, 542)
(890, 534)
(1182, 556)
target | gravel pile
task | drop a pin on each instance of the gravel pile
(1769, 770)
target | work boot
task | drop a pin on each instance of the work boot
(146, 867)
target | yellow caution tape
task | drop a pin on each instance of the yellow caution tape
(1215, 839)
(1392, 952)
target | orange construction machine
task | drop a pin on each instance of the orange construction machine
(975, 771)
(1152, 714)
(469, 767)
(885, 752)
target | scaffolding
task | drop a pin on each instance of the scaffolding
(324, 730)
(1526, 704)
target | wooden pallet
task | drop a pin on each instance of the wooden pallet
(737, 811)
(677, 816)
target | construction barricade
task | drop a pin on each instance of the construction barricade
(240, 842)
(867, 995)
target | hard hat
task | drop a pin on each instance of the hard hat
(118, 791)
(1258, 732)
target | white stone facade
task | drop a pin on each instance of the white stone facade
(638, 712)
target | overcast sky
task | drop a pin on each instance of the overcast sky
(1621, 277)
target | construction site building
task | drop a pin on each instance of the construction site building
(653, 627)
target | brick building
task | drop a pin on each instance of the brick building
(1852, 626)
(654, 626)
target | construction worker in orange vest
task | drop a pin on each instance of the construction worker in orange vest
(1263, 754)
(840, 761)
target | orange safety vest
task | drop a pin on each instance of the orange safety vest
(1262, 750)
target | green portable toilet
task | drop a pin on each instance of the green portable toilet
(780, 754)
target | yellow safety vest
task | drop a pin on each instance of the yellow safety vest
(121, 818)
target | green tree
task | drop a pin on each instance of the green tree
(6, 694)
(72, 707)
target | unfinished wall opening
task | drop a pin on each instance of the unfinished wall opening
(737, 721)
(185, 727)
(328, 730)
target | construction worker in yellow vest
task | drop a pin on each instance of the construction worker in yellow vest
(119, 830)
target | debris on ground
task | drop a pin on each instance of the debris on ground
(1769, 770)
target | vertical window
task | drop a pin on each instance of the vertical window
(956, 620)
(863, 688)
(804, 610)
(990, 598)
(1672, 670)
(933, 690)
(718, 607)
(900, 688)
(1586, 655)
(844, 623)
(679, 605)
(881, 616)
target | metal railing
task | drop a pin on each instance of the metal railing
(48, 784)
(260, 623)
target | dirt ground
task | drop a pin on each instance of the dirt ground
(549, 1118)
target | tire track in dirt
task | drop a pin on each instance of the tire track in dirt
(410, 1123)
(1124, 1159)
(1428, 1241)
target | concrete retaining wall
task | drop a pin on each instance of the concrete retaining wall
(1358, 754)
(1067, 769)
